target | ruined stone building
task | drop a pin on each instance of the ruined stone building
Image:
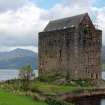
(71, 48)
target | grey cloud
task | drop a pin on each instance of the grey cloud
(6, 5)
(21, 27)
(8, 40)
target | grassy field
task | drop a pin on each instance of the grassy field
(7, 98)
(38, 91)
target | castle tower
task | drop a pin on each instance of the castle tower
(71, 48)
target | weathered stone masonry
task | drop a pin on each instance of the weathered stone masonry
(71, 47)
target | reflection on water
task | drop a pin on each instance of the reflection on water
(90, 101)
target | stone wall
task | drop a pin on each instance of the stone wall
(73, 53)
(55, 49)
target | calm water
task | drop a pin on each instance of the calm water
(6, 74)
(90, 101)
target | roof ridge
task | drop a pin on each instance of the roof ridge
(67, 22)
(68, 17)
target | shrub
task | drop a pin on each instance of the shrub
(25, 75)
(38, 97)
(52, 101)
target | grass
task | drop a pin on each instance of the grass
(49, 88)
(56, 89)
(7, 98)
(16, 95)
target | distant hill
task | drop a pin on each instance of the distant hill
(17, 58)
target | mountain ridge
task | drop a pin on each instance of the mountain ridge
(17, 58)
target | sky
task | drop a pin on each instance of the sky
(21, 20)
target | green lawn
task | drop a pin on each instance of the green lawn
(7, 98)
(37, 88)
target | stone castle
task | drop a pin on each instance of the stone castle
(71, 48)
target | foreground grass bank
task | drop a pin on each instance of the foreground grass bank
(11, 92)
(7, 98)
(47, 88)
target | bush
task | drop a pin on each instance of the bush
(51, 76)
(25, 75)
(38, 97)
(51, 101)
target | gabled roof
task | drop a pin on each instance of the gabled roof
(65, 23)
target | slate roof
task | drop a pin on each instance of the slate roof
(65, 23)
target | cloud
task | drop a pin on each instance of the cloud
(21, 27)
(21, 20)
(74, 7)
(68, 8)
(6, 5)
(5, 48)
(100, 21)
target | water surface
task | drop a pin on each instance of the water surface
(8, 74)
(90, 101)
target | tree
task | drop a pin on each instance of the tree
(25, 75)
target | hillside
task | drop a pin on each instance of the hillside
(17, 58)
